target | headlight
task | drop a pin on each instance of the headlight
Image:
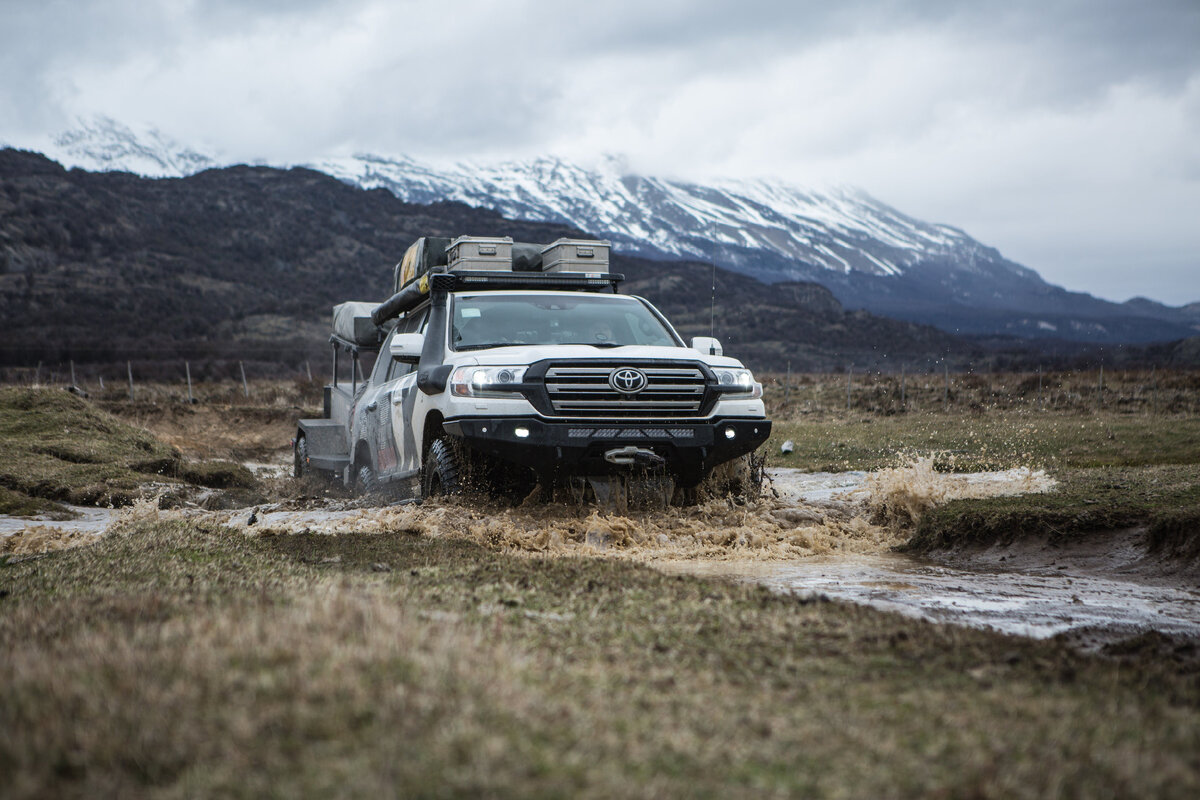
(738, 382)
(485, 381)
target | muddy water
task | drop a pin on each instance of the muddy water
(41, 534)
(1019, 602)
(825, 533)
(1028, 591)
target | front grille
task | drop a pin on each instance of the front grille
(671, 391)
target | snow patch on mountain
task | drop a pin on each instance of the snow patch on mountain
(101, 144)
(771, 229)
(840, 229)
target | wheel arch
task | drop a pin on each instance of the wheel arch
(431, 431)
(362, 455)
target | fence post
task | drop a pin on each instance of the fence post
(1040, 406)
(946, 390)
(787, 386)
(849, 380)
(308, 369)
(1154, 378)
(102, 383)
(37, 375)
(903, 395)
(188, 369)
(245, 386)
(129, 369)
(1100, 389)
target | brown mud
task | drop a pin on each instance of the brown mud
(831, 534)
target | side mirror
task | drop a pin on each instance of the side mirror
(407, 346)
(707, 345)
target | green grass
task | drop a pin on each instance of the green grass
(218, 474)
(17, 504)
(62, 448)
(184, 660)
(1114, 470)
(998, 439)
(1164, 499)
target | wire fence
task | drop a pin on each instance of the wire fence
(1127, 391)
(224, 382)
(1124, 391)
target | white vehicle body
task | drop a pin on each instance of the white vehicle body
(511, 376)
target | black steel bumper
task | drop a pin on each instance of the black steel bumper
(578, 447)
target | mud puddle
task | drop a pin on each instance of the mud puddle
(1107, 589)
(1038, 605)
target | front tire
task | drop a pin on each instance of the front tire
(741, 480)
(443, 472)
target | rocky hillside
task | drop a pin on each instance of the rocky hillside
(245, 262)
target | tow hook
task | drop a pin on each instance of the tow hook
(634, 456)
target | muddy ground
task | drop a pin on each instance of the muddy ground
(810, 534)
(835, 534)
(867, 631)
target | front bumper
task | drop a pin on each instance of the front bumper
(577, 447)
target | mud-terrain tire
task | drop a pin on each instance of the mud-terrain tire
(740, 480)
(300, 468)
(443, 472)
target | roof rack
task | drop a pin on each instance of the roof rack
(578, 281)
(418, 290)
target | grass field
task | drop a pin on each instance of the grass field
(177, 659)
(184, 658)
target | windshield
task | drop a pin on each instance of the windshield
(491, 320)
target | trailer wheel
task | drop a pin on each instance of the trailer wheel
(364, 479)
(442, 473)
(301, 468)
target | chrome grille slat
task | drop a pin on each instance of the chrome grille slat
(627, 404)
(592, 388)
(671, 391)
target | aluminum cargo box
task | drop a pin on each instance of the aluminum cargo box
(493, 254)
(576, 255)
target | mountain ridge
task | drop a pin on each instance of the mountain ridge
(246, 263)
(870, 255)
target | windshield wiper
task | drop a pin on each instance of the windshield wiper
(596, 344)
(460, 348)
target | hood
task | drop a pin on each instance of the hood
(528, 354)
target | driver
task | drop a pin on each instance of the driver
(602, 331)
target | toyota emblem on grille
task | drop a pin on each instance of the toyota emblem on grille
(627, 380)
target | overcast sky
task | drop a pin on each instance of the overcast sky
(1066, 133)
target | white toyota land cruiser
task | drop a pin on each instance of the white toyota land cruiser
(509, 365)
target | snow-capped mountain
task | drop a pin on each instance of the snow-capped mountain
(741, 223)
(769, 229)
(101, 144)
(869, 254)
